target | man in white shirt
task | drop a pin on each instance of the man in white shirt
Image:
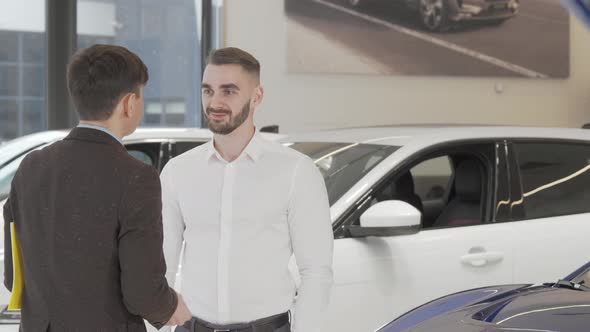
(244, 205)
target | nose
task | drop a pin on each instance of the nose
(216, 102)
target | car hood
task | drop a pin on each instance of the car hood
(501, 308)
(540, 308)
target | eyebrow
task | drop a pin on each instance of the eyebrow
(223, 86)
(229, 86)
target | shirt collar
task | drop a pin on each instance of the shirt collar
(103, 129)
(254, 149)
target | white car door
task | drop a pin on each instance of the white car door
(379, 278)
(550, 210)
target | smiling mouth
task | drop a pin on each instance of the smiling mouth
(217, 115)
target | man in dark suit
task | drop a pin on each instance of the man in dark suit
(88, 215)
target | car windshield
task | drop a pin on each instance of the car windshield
(583, 278)
(343, 164)
(17, 147)
(8, 170)
(6, 174)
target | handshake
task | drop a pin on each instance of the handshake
(181, 315)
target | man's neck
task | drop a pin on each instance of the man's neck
(231, 146)
(104, 125)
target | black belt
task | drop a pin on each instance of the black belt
(269, 324)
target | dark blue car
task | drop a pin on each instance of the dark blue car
(562, 306)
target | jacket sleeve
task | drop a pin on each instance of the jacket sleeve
(145, 290)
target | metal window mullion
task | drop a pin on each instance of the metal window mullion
(20, 94)
(61, 43)
(206, 45)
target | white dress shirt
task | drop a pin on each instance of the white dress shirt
(241, 222)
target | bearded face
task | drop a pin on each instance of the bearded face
(223, 121)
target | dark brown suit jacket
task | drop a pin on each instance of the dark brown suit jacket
(88, 219)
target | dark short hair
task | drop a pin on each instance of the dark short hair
(235, 56)
(98, 76)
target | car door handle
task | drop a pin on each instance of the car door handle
(482, 258)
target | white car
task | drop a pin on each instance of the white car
(420, 212)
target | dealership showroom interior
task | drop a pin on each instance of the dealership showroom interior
(295, 165)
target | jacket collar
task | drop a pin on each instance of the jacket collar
(94, 136)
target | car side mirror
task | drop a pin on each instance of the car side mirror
(270, 129)
(388, 218)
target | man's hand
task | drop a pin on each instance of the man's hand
(181, 315)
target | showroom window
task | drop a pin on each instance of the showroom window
(22, 68)
(555, 178)
(165, 35)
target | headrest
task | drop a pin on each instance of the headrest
(468, 178)
(404, 185)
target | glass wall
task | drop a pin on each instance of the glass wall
(22, 68)
(165, 34)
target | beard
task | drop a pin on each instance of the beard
(226, 127)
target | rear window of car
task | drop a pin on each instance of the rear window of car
(343, 164)
(555, 178)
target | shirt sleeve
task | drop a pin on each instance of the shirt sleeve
(173, 225)
(312, 238)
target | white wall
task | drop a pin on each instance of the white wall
(299, 102)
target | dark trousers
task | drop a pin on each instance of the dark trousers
(277, 323)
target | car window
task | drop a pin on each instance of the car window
(343, 164)
(448, 190)
(554, 178)
(148, 153)
(432, 178)
(182, 147)
(141, 156)
(425, 186)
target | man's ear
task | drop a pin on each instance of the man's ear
(258, 95)
(128, 104)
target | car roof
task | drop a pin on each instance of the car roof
(186, 134)
(403, 135)
(398, 135)
(170, 133)
(141, 134)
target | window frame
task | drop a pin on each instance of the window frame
(436, 150)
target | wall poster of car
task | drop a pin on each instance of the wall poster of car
(472, 38)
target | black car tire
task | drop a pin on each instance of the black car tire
(434, 15)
